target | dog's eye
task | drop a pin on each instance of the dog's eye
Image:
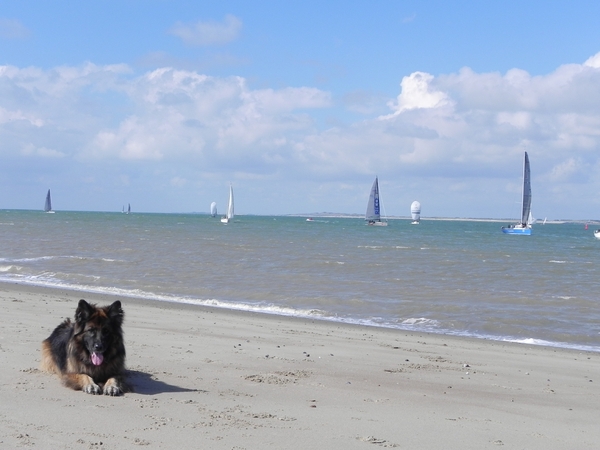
(105, 331)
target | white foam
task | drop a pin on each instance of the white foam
(542, 342)
(420, 321)
(38, 258)
(411, 324)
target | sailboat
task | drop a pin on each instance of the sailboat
(229, 216)
(213, 209)
(415, 212)
(128, 208)
(373, 215)
(524, 226)
(48, 204)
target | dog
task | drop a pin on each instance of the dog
(89, 354)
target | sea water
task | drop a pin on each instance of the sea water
(444, 276)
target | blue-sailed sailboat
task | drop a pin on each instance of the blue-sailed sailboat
(523, 227)
(373, 215)
(48, 204)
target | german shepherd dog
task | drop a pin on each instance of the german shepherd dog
(89, 354)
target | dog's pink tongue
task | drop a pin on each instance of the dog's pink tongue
(97, 359)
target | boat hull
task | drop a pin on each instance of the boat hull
(597, 234)
(377, 224)
(519, 231)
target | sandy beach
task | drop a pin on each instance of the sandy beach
(219, 379)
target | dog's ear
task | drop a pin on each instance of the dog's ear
(115, 312)
(83, 312)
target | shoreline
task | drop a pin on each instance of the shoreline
(165, 300)
(228, 379)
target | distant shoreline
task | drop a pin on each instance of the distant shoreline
(331, 215)
(425, 219)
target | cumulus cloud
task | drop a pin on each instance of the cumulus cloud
(31, 150)
(417, 93)
(208, 33)
(185, 113)
(13, 29)
(593, 61)
(15, 115)
(567, 170)
(460, 127)
(482, 117)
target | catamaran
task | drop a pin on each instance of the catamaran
(373, 215)
(48, 204)
(229, 216)
(524, 226)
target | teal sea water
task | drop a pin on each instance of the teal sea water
(443, 276)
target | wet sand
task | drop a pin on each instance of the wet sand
(221, 379)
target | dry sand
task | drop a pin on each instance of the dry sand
(217, 379)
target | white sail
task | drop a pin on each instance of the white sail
(373, 214)
(48, 203)
(230, 210)
(213, 209)
(415, 211)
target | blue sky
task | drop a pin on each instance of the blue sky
(299, 105)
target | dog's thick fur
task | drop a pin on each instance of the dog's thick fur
(89, 354)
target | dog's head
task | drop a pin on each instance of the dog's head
(98, 328)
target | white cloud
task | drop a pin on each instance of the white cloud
(410, 18)
(11, 116)
(521, 119)
(31, 150)
(13, 29)
(181, 112)
(417, 93)
(593, 61)
(208, 33)
(178, 182)
(566, 170)
(461, 130)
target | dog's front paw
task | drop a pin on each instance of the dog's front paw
(112, 387)
(112, 390)
(92, 388)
